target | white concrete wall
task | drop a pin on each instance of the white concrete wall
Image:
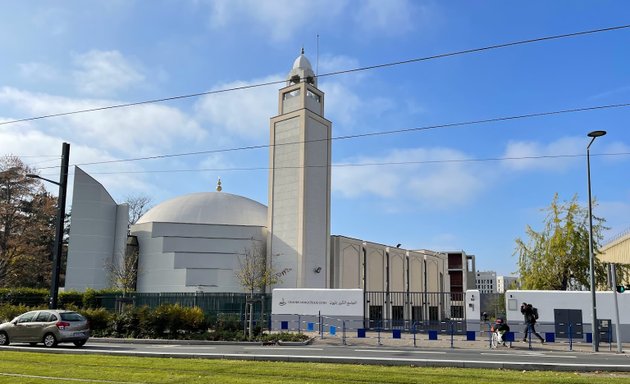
(547, 301)
(98, 232)
(192, 257)
(473, 310)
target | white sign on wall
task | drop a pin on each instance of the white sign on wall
(328, 302)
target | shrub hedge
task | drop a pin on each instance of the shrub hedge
(165, 321)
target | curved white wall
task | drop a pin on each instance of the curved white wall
(98, 234)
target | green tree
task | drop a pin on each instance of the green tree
(27, 227)
(256, 274)
(557, 257)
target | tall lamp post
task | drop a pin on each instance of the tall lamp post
(61, 213)
(594, 327)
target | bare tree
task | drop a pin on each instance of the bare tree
(138, 206)
(256, 273)
(123, 274)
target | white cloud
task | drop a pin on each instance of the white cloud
(103, 73)
(612, 92)
(37, 72)
(281, 18)
(341, 103)
(391, 17)
(526, 154)
(242, 114)
(144, 129)
(436, 185)
(343, 100)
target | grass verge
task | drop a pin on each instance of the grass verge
(34, 368)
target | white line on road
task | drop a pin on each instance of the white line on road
(284, 348)
(400, 351)
(530, 354)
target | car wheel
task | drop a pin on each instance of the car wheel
(4, 338)
(80, 343)
(50, 340)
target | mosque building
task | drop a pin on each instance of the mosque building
(193, 243)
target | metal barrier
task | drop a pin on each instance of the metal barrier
(328, 327)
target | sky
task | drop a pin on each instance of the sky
(421, 181)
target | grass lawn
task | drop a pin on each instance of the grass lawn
(27, 367)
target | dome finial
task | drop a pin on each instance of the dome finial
(302, 50)
(219, 188)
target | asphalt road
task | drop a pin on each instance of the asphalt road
(519, 357)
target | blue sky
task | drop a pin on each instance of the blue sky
(72, 55)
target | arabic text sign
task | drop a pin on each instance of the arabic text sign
(329, 302)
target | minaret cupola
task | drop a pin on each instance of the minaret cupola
(302, 71)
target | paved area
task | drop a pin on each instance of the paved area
(458, 342)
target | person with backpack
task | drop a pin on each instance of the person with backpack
(530, 314)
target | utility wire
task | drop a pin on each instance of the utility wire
(367, 134)
(378, 66)
(370, 164)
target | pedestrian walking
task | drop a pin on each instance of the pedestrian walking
(530, 314)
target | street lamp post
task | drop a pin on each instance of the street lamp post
(594, 327)
(61, 213)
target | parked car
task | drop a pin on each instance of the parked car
(46, 326)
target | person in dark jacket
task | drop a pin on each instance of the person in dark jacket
(530, 314)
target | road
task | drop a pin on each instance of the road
(520, 357)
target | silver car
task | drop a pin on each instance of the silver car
(46, 326)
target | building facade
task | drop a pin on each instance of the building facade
(486, 281)
(505, 282)
(195, 242)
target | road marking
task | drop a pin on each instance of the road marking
(400, 351)
(529, 354)
(284, 348)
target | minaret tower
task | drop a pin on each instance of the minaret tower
(299, 182)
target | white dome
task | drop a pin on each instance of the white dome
(208, 208)
(302, 71)
(302, 63)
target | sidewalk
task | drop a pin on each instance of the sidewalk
(457, 342)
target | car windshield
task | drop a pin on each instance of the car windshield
(71, 316)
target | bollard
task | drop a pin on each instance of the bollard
(570, 337)
(452, 332)
(321, 326)
(299, 324)
(343, 332)
(413, 328)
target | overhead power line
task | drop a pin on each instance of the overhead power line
(335, 73)
(367, 164)
(367, 134)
